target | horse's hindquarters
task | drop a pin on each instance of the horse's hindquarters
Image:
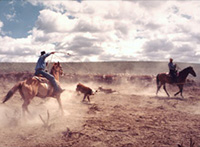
(44, 90)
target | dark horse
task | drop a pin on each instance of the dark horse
(164, 78)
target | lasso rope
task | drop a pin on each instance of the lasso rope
(49, 62)
(68, 65)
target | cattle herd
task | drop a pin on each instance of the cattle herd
(100, 78)
(133, 118)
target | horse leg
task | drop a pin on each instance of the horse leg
(177, 93)
(180, 91)
(158, 88)
(60, 105)
(164, 87)
(25, 106)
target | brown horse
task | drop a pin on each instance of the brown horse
(164, 78)
(36, 86)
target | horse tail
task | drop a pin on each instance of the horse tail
(157, 80)
(12, 91)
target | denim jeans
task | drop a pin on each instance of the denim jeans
(49, 77)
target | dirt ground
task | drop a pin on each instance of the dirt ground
(133, 116)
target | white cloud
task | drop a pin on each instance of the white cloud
(150, 4)
(12, 12)
(1, 25)
(50, 21)
(11, 17)
(124, 28)
(21, 50)
(113, 30)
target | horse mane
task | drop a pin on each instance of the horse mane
(53, 67)
(51, 72)
(185, 69)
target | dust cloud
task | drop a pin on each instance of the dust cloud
(127, 117)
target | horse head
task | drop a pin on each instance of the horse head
(191, 71)
(57, 69)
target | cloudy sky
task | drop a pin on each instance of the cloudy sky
(118, 30)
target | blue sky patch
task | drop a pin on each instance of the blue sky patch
(18, 17)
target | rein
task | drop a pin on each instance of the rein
(182, 72)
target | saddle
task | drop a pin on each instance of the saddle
(41, 79)
(173, 79)
(45, 84)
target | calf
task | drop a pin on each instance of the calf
(107, 91)
(85, 90)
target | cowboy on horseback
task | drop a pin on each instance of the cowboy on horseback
(172, 70)
(40, 69)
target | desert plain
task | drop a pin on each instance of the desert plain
(130, 116)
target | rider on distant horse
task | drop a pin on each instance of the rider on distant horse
(40, 69)
(172, 70)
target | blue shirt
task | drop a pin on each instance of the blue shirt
(171, 66)
(41, 62)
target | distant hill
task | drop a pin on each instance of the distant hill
(121, 67)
